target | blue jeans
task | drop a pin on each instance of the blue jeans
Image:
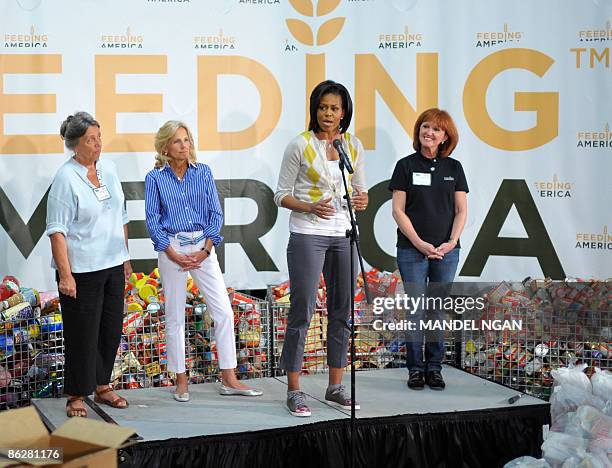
(423, 277)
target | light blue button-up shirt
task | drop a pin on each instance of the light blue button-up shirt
(93, 229)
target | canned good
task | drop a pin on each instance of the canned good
(152, 369)
(48, 300)
(49, 360)
(199, 309)
(522, 357)
(25, 335)
(148, 293)
(51, 323)
(153, 307)
(20, 363)
(21, 311)
(5, 377)
(470, 360)
(6, 344)
(534, 366)
(494, 352)
(541, 350)
(51, 388)
(134, 306)
(511, 351)
(37, 373)
(8, 287)
(31, 296)
(568, 358)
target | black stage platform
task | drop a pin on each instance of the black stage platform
(470, 424)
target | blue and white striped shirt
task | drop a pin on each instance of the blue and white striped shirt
(187, 205)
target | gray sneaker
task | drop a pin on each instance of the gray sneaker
(338, 397)
(296, 404)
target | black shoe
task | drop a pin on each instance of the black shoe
(416, 380)
(435, 381)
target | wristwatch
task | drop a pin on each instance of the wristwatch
(206, 250)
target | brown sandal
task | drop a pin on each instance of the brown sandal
(118, 402)
(71, 411)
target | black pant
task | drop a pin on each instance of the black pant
(92, 329)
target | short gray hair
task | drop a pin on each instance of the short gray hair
(75, 126)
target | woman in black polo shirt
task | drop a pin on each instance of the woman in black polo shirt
(430, 208)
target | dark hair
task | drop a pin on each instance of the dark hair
(75, 126)
(330, 87)
(442, 119)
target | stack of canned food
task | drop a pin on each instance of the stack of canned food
(141, 357)
(562, 323)
(31, 344)
(375, 347)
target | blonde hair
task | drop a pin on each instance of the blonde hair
(163, 137)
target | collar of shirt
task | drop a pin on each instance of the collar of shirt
(82, 170)
(428, 160)
(167, 166)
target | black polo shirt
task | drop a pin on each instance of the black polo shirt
(430, 186)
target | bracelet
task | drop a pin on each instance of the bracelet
(452, 240)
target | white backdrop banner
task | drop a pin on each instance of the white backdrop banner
(527, 82)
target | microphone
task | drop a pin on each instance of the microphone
(343, 156)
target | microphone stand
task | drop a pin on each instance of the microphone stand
(353, 235)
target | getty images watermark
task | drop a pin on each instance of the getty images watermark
(429, 311)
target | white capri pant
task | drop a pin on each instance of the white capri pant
(209, 279)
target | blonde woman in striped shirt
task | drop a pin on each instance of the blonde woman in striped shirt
(184, 220)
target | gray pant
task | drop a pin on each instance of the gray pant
(307, 256)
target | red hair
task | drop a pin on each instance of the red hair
(442, 119)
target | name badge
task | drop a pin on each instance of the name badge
(421, 178)
(102, 193)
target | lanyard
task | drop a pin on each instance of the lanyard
(100, 192)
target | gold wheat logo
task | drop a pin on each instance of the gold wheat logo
(326, 33)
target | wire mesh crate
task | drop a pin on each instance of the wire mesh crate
(141, 357)
(375, 348)
(31, 351)
(555, 325)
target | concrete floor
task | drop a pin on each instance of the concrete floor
(154, 414)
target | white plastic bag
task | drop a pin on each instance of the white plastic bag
(567, 398)
(559, 447)
(601, 382)
(571, 462)
(573, 376)
(527, 462)
(602, 457)
(588, 461)
(596, 423)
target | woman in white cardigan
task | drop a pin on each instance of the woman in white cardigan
(310, 185)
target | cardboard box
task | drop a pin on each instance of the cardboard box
(85, 442)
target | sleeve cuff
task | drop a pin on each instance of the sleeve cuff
(216, 240)
(53, 228)
(278, 198)
(161, 245)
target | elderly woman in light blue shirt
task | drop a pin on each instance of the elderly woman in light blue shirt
(87, 226)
